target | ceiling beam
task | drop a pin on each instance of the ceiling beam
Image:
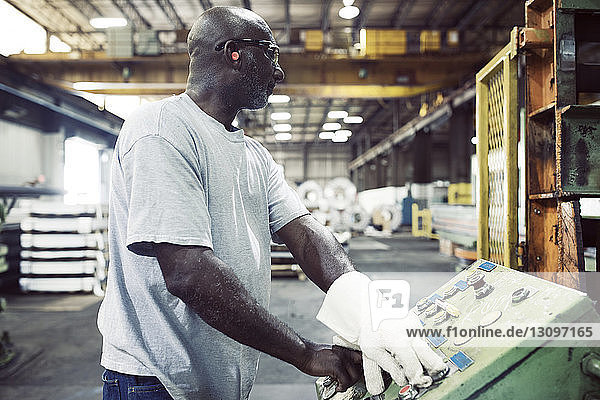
(288, 21)
(167, 7)
(307, 114)
(361, 21)
(465, 20)
(437, 13)
(325, 9)
(86, 8)
(130, 12)
(402, 12)
(206, 4)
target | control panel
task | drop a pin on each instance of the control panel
(464, 315)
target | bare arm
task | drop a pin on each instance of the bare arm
(320, 255)
(209, 286)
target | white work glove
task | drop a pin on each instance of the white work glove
(346, 311)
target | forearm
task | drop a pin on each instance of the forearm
(215, 293)
(317, 251)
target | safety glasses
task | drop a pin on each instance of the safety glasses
(271, 49)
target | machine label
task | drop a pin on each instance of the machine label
(434, 297)
(461, 360)
(436, 341)
(487, 266)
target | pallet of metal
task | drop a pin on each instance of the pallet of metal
(61, 249)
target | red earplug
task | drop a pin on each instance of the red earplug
(235, 55)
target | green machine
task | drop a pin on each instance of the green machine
(487, 297)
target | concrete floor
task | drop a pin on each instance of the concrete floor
(59, 336)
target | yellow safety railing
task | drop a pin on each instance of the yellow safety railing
(496, 120)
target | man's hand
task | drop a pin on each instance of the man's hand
(342, 364)
(346, 311)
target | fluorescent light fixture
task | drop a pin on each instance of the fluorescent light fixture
(331, 126)
(326, 135)
(353, 119)
(58, 46)
(283, 136)
(349, 12)
(103, 23)
(279, 98)
(337, 114)
(282, 127)
(348, 2)
(281, 116)
(339, 139)
(343, 132)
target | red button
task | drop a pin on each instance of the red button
(405, 389)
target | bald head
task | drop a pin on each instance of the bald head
(233, 59)
(219, 24)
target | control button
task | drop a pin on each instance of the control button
(451, 291)
(440, 317)
(519, 295)
(482, 289)
(452, 311)
(462, 340)
(422, 304)
(490, 318)
(431, 310)
(407, 392)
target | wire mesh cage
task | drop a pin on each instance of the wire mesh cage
(496, 115)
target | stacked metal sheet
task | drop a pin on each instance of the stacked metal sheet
(456, 223)
(61, 248)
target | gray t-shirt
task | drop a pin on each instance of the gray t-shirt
(179, 176)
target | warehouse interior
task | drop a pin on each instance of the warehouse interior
(440, 141)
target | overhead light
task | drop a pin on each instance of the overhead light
(279, 98)
(343, 132)
(337, 114)
(475, 140)
(349, 12)
(235, 123)
(326, 135)
(283, 136)
(282, 127)
(353, 119)
(348, 2)
(331, 126)
(339, 139)
(281, 116)
(103, 23)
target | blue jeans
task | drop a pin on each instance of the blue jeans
(119, 386)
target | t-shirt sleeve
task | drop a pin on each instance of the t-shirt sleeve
(167, 200)
(284, 203)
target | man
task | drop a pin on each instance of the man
(194, 205)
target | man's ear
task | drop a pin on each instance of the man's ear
(233, 55)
